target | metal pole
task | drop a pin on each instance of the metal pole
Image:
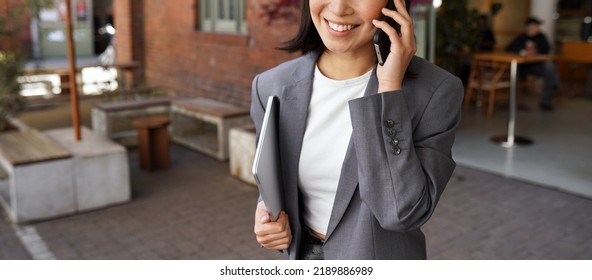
(512, 120)
(73, 85)
(510, 140)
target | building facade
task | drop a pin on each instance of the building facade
(212, 48)
(203, 47)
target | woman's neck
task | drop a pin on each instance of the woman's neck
(346, 65)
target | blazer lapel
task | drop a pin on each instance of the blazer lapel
(294, 103)
(348, 182)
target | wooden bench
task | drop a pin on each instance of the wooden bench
(39, 174)
(113, 120)
(29, 146)
(203, 124)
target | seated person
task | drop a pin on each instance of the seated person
(534, 42)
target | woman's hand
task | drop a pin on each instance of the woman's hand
(403, 47)
(272, 235)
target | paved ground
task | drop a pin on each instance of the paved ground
(195, 210)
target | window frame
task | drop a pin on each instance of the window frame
(213, 19)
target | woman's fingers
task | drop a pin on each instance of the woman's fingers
(389, 30)
(271, 228)
(403, 19)
(272, 235)
(280, 244)
(402, 49)
(402, 9)
(274, 240)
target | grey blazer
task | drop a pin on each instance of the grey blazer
(397, 164)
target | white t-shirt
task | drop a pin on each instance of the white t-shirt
(327, 136)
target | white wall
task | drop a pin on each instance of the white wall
(544, 10)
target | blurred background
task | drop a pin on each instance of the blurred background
(163, 167)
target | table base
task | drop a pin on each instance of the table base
(502, 140)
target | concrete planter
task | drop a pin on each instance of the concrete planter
(242, 153)
(95, 174)
(100, 169)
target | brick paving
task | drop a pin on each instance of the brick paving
(196, 210)
(486, 216)
(10, 246)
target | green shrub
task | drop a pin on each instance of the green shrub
(11, 101)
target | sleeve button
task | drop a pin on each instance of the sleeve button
(389, 123)
(391, 133)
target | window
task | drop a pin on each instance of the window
(222, 16)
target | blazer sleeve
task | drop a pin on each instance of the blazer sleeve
(403, 167)
(257, 108)
(257, 112)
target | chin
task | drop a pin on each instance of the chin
(336, 48)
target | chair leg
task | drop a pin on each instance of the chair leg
(470, 87)
(490, 104)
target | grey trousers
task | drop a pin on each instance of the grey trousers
(547, 71)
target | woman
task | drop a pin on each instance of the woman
(365, 149)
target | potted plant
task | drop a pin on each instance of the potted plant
(11, 59)
(11, 100)
(456, 35)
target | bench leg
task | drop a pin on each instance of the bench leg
(144, 148)
(65, 84)
(160, 147)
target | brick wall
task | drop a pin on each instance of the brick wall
(190, 62)
(3, 12)
(21, 41)
(128, 20)
(122, 23)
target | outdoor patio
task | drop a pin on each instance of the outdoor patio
(196, 210)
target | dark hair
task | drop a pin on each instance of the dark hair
(307, 39)
(533, 20)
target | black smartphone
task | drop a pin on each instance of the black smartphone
(382, 43)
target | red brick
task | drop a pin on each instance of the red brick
(178, 57)
(22, 40)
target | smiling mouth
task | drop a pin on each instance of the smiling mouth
(340, 27)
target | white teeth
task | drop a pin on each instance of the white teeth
(340, 27)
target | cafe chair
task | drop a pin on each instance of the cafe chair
(575, 54)
(531, 85)
(489, 81)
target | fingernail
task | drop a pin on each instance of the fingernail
(263, 218)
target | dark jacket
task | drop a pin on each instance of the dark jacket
(519, 43)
